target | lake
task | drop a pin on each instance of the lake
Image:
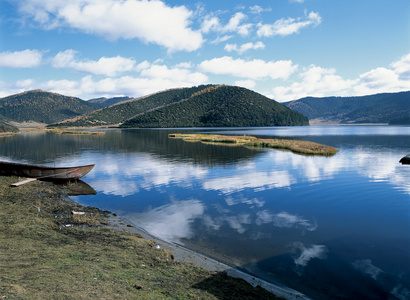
(329, 227)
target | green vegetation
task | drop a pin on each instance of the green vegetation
(300, 147)
(7, 129)
(43, 107)
(119, 113)
(379, 108)
(219, 106)
(105, 102)
(43, 258)
(401, 121)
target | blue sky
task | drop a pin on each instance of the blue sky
(283, 49)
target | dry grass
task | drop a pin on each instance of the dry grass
(43, 258)
(300, 147)
(78, 132)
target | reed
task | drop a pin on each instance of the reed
(296, 146)
(76, 132)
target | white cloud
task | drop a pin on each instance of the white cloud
(319, 82)
(150, 21)
(296, 1)
(393, 79)
(249, 84)
(21, 59)
(210, 23)
(253, 69)
(153, 78)
(316, 81)
(402, 67)
(177, 74)
(221, 39)
(256, 9)
(245, 47)
(288, 26)
(109, 66)
(235, 25)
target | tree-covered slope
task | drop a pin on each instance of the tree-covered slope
(5, 128)
(379, 108)
(105, 102)
(119, 113)
(43, 107)
(220, 106)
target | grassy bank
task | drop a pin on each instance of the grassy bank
(78, 132)
(300, 147)
(47, 252)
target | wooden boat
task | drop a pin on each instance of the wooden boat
(405, 160)
(44, 172)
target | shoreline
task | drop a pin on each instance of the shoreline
(50, 244)
(183, 254)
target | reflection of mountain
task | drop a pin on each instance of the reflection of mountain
(46, 147)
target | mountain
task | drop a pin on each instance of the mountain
(42, 107)
(219, 106)
(5, 128)
(122, 111)
(378, 108)
(204, 105)
(105, 102)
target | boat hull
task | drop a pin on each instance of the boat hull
(44, 172)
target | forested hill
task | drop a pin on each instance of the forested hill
(205, 105)
(105, 102)
(219, 106)
(5, 128)
(393, 108)
(118, 113)
(42, 107)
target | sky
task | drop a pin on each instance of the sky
(283, 49)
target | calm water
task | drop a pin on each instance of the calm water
(331, 228)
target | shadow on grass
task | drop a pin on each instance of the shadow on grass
(223, 286)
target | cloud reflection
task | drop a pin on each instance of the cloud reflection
(134, 172)
(387, 281)
(284, 220)
(365, 266)
(258, 181)
(307, 253)
(171, 222)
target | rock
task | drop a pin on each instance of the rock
(405, 160)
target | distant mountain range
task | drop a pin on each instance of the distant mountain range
(105, 102)
(201, 106)
(392, 108)
(42, 107)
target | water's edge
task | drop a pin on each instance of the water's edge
(184, 254)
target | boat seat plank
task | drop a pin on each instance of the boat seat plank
(23, 182)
